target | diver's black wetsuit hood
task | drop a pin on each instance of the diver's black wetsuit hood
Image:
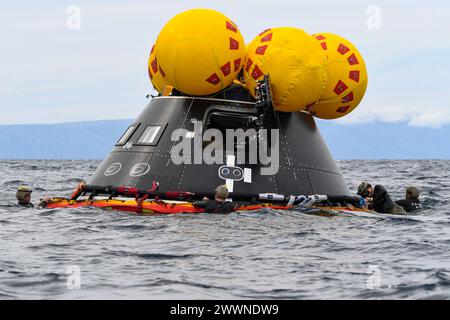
(382, 202)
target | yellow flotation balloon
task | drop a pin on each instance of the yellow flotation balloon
(347, 79)
(198, 52)
(295, 62)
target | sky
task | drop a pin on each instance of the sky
(50, 73)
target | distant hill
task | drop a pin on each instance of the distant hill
(93, 140)
(78, 140)
(385, 141)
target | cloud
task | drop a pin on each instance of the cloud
(415, 116)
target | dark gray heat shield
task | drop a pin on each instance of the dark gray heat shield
(306, 165)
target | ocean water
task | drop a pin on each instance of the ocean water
(256, 255)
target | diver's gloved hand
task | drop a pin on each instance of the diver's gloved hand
(361, 202)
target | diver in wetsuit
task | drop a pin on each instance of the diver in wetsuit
(365, 191)
(411, 201)
(378, 199)
(218, 205)
(23, 196)
(382, 202)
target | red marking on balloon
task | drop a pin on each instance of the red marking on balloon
(264, 32)
(354, 75)
(342, 109)
(256, 73)
(153, 49)
(324, 45)
(237, 64)
(234, 44)
(154, 66)
(231, 27)
(340, 87)
(249, 64)
(352, 59)
(162, 71)
(342, 49)
(226, 69)
(320, 37)
(267, 38)
(261, 50)
(213, 79)
(348, 98)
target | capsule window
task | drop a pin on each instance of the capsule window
(127, 135)
(151, 135)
